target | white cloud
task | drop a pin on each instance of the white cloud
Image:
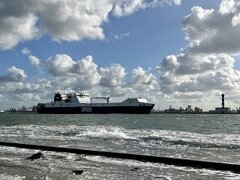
(81, 74)
(16, 29)
(74, 20)
(16, 74)
(63, 20)
(84, 74)
(59, 65)
(177, 2)
(187, 63)
(208, 31)
(236, 20)
(33, 60)
(127, 7)
(121, 36)
(18, 93)
(26, 51)
(24, 97)
(228, 6)
(119, 91)
(13, 75)
(112, 76)
(144, 81)
(206, 65)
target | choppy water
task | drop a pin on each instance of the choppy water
(204, 137)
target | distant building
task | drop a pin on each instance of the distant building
(189, 109)
(172, 110)
(198, 110)
(223, 110)
(181, 110)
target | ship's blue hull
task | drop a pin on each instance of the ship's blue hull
(97, 110)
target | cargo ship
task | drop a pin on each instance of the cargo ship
(82, 103)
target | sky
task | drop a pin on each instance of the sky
(172, 52)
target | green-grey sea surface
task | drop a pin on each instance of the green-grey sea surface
(206, 137)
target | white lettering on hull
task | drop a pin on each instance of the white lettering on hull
(86, 109)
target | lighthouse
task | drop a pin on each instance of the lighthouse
(223, 108)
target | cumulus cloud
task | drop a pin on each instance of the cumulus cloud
(27, 97)
(63, 20)
(81, 74)
(112, 76)
(16, 29)
(228, 6)
(84, 74)
(26, 51)
(210, 31)
(127, 7)
(15, 82)
(15, 89)
(68, 20)
(13, 75)
(10, 87)
(236, 20)
(206, 64)
(33, 60)
(59, 65)
(74, 20)
(186, 63)
(143, 80)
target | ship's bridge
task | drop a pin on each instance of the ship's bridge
(82, 97)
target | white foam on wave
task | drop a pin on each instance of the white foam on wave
(70, 132)
(121, 162)
(107, 132)
(6, 176)
(188, 138)
(208, 172)
(147, 136)
(16, 151)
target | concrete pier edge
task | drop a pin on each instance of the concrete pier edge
(144, 158)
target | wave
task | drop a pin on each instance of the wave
(182, 138)
(107, 132)
(111, 133)
(10, 177)
(71, 132)
(180, 142)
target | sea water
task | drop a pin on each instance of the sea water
(206, 137)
